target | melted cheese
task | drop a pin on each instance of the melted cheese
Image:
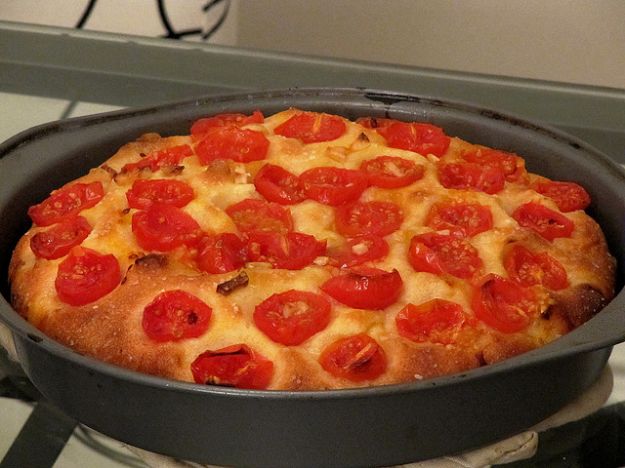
(221, 184)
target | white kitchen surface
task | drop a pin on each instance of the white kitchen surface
(86, 448)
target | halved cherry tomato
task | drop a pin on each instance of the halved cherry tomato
(332, 185)
(467, 219)
(291, 317)
(512, 165)
(421, 138)
(548, 223)
(291, 251)
(169, 157)
(59, 239)
(472, 176)
(223, 120)
(233, 366)
(441, 253)
(504, 305)
(365, 288)
(279, 185)
(258, 215)
(229, 142)
(528, 268)
(356, 358)
(368, 218)
(85, 276)
(569, 196)
(221, 253)
(164, 227)
(436, 321)
(391, 171)
(359, 250)
(312, 127)
(175, 315)
(66, 203)
(173, 192)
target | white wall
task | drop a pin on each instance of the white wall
(579, 41)
(138, 17)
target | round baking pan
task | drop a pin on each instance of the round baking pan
(383, 425)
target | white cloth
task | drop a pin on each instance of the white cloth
(518, 447)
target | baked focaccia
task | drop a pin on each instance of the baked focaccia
(304, 251)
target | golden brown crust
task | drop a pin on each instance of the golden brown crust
(110, 328)
(505, 348)
(417, 362)
(579, 304)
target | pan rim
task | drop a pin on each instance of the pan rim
(555, 350)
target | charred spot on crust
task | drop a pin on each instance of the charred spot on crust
(112, 172)
(125, 278)
(126, 175)
(152, 261)
(500, 350)
(239, 281)
(363, 137)
(579, 305)
(480, 358)
(172, 170)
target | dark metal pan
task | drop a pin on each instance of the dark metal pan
(360, 427)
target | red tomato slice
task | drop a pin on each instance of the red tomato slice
(279, 185)
(365, 288)
(173, 192)
(224, 120)
(164, 227)
(569, 196)
(66, 203)
(435, 321)
(356, 358)
(234, 143)
(332, 185)
(233, 366)
(312, 127)
(421, 138)
(169, 157)
(257, 215)
(503, 304)
(512, 165)
(548, 223)
(528, 268)
(291, 251)
(440, 253)
(291, 317)
(472, 176)
(59, 239)
(467, 219)
(175, 315)
(368, 218)
(391, 171)
(221, 253)
(85, 276)
(359, 250)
